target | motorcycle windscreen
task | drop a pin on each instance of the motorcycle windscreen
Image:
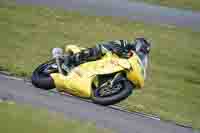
(138, 72)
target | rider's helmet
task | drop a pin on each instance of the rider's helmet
(142, 45)
(139, 45)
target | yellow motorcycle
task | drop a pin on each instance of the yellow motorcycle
(106, 81)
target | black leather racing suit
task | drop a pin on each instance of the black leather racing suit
(119, 47)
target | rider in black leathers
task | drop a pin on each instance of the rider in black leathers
(120, 47)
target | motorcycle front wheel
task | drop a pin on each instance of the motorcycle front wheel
(41, 75)
(119, 91)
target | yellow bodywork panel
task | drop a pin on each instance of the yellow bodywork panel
(79, 80)
(136, 75)
(73, 84)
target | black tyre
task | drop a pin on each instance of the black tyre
(41, 78)
(109, 99)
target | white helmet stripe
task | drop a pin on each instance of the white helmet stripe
(125, 43)
(118, 42)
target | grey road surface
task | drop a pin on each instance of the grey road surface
(133, 10)
(74, 108)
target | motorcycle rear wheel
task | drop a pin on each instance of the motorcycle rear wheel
(114, 98)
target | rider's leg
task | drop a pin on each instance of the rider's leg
(75, 59)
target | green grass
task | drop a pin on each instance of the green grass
(24, 119)
(172, 91)
(185, 4)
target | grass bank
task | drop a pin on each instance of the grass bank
(184, 4)
(172, 91)
(24, 119)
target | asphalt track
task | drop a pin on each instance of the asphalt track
(73, 108)
(124, 8)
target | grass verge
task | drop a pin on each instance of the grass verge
(184, 4)
(172, 91)
(24, 119)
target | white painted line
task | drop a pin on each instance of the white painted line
(136, 113)
(11, 102)
(15, 78)
(158, 119)
(29, 83)
(5, 73)
(11, 77)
